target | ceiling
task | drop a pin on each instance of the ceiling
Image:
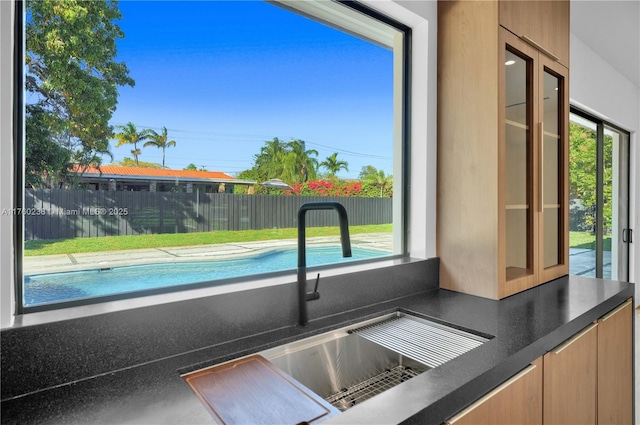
(612, 29)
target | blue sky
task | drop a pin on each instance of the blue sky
(225, 76)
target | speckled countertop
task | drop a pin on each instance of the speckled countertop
(524, 326)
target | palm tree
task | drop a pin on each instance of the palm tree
(300, 164)
(269, 163)
(333, 165)
(129, 135)
(288, 161)
(159, 141)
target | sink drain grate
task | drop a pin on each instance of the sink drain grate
(362, 391)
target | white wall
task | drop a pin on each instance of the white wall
(597, 87)
(600, 88)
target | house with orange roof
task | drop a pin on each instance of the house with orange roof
(120, 178)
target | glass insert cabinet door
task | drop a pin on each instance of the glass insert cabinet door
(534, 177)
(518, 74)
(551, 146)
(553, 136)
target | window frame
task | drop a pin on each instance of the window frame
(401, 180)
(18, 149)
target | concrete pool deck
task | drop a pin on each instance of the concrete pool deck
(95, 260)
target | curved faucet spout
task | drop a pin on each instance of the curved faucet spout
(344, 228)
(302, 250)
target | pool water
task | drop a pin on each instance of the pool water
(68, 286)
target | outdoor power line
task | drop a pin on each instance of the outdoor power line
(200, 136)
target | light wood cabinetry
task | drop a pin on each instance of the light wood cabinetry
(544, 24)
(615, 366)
(570, 380)
(503, 109)
(587, 379)
(517, 401)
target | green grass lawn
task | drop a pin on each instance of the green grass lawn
(587, 240)
(115, 243)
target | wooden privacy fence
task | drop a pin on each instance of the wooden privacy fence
(62, 214)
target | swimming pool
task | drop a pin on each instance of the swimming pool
(69, 286)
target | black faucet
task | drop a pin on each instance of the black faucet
(303, 295)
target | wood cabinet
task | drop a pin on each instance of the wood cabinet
(517, 401)
(503, 109)
(589, 378)
(544, 24)
(570, 380)
(615, 366)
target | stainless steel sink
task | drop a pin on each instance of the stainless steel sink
(352, 364)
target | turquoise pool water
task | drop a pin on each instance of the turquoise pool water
(68, 286)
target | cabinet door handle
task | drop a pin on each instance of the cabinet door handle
(539, 47)
(491, 394)
(541, 166)
(563, 346)
(610, 314)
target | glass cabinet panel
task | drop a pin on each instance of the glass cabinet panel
(518, 171)
(551, 168)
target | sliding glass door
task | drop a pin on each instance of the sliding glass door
(599, 198)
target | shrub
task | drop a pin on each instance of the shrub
(339, 188)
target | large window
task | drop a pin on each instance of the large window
(169, 145)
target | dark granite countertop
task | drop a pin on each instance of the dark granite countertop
(524, 326)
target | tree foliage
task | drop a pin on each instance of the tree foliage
(377, 178)
(129, 135)
(44, 156)
(160, 140)
(359, 188)
(128, 162)
(582, 172)
(300, 162)
(71, 74)
(334, 166)
(289, 161)
(362, 189)
(292, 163)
